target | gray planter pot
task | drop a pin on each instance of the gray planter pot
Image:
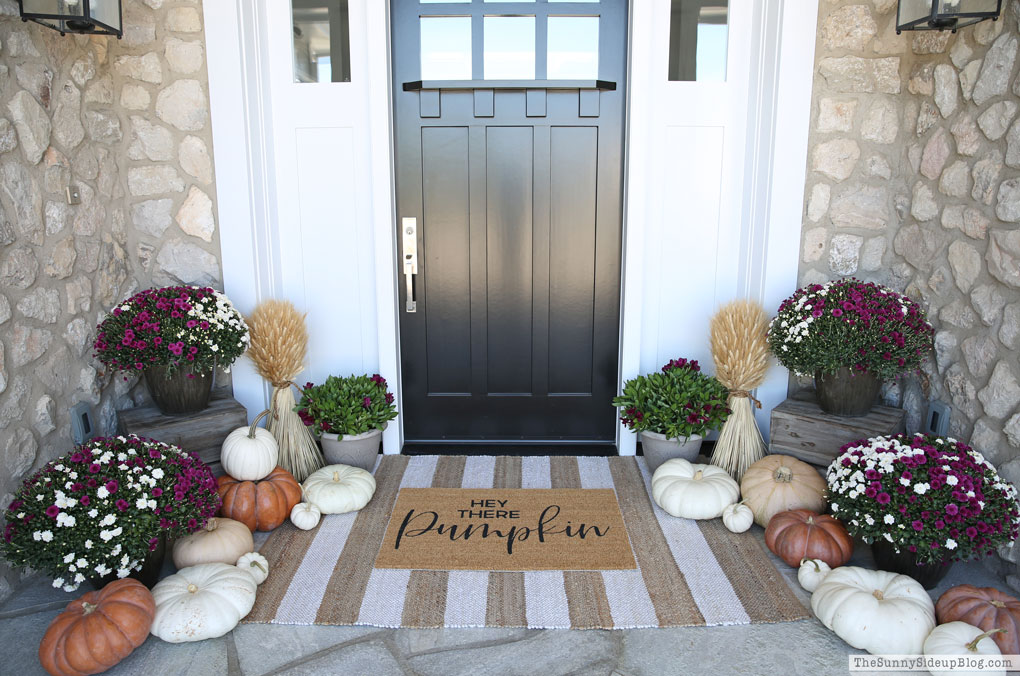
(356, 450)
(658, 449)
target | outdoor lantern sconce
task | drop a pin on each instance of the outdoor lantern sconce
(94, 17)
(943, 15)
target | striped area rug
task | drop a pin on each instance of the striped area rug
(689, 572)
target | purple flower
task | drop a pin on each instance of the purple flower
(85, 500)
(918, 525)
(883, 498)
(366, 402)
(952, 509)
(94, 468)
(122, 505)
(53, 510)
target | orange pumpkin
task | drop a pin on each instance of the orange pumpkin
(802, 534)
(986, 608)
(259, 505)
(98, 630)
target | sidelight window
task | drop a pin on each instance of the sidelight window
(322, 44)
(698, 34)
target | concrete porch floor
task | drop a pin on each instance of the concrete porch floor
(794, 648)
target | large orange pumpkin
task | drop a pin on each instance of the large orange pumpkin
(802, 534)
(98, 630)
(986, 608)
(259, 505)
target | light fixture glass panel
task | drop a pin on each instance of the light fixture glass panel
(445, 47)
(322, 43)
(698, 36)
(106, 11)
(914, 10)
(573, 48)
(509, 47)
(967, 6)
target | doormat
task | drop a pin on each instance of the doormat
(506, 530)
(688, 572)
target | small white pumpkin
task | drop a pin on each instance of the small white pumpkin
(737, 517)
(221, 540)
(201, 602)
(255, 565)
(693, 491)
(874, 610)
(336, 489)
(962, 640)
(250, 453)
(811, 573)
(305, 515)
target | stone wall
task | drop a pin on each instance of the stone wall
(914, 181)
(126, 122)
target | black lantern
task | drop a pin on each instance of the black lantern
(99, 17)
(943, 15)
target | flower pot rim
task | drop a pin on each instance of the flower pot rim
(662, 437)
(329, 436)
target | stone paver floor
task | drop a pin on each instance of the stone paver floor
(791, 648)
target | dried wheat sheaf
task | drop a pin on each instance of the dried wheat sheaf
(279, 342)
(740, 350)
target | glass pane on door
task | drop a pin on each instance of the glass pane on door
(698, 35)
(322, 44)
(573, 48)
(445, 47)
(509, 47)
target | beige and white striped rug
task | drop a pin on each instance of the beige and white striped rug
(689, 572)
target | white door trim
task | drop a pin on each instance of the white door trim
(246, 192)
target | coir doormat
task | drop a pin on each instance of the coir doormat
(687, 572)
(505, 530)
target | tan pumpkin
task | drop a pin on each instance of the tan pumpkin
(802, 534)
(779, 483)
(986, 608)
(98, 630)
(260, 505)
(219, 541)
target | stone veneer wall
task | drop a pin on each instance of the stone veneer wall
(914, 181)
(127, 123)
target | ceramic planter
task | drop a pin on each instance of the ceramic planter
(178, 394)
(905, 563)
(658, 449)
(356, 450)
(845, 393)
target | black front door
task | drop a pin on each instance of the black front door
(509, 147)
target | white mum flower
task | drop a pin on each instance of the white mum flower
(950, 543)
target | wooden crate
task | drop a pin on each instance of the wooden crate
(801, 429)
(202, 433)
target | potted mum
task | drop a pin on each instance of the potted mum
(176, 336)
(105, 510)
(922, 502)
(673, 410)
(850, 335)
(349, 414)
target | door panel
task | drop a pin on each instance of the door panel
(517, 190)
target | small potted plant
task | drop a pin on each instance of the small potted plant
(106, 509)
(673, 410)
(176, 336)
(349, 414)
(850, 335)
(922, 502)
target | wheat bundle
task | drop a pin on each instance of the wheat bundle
(279, 340)
(741, 352)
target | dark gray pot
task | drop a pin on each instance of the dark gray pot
(356, 450)
(846, 393)
(658, 449)
(178, 394)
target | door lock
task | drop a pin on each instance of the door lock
(409, 226)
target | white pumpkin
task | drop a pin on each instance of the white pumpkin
(201, 602)
(336, 489)
(693, 491)
(962, 640)
(305, 515)
(874, 610)
(255, 565)
(250, 453)
(737, 517)
(811, 573)
(221, 540)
